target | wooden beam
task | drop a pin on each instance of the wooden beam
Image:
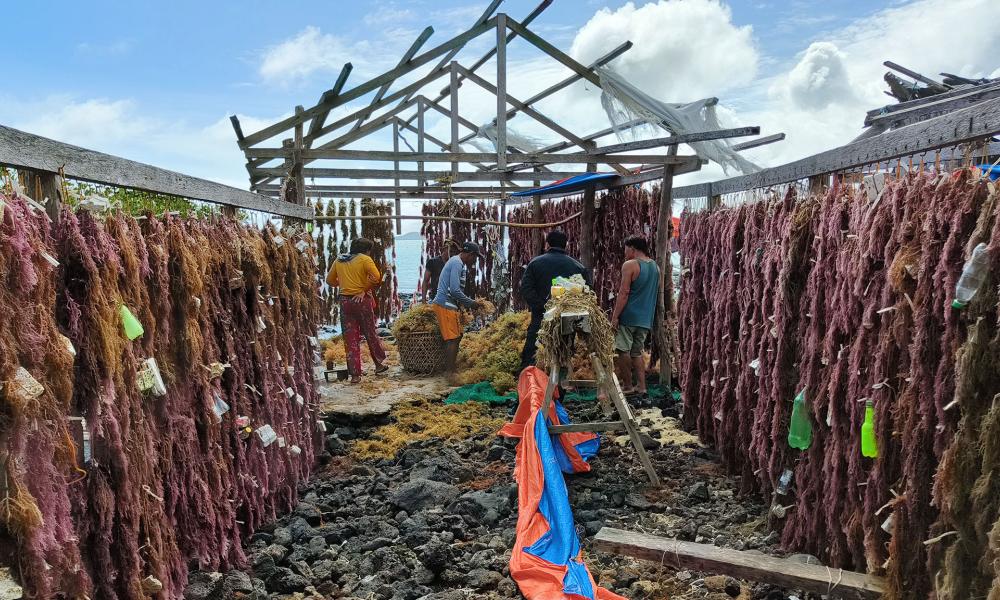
(453, 219)
(706, 558)
(891, 108)
(492, 51)
(554, 52)
(569, 135)
(501, 91)
(300, 182)
(410, 52)
(594, 427)
(23, 150)
(316, 172)
(420, 137)
(370, 85)
(316, 124)
(761, 141)
(395, 167)
(586, 229)
(335, 189)
(453, 120)
(434, 193)
(914, 75)
(673, 140)
(621, 49)
(968, 124)
(236, 127)
(665, 299)
(926, 110)
(444, 157)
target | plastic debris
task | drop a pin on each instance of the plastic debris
(267, 435)
(133, 328)
(149, 379)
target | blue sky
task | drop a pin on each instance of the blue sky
(155, 82)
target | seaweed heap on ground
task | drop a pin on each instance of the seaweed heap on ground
(154, 480)
(494, 353)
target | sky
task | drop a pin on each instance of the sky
(156, 82)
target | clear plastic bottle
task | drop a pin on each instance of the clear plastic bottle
(973, 275)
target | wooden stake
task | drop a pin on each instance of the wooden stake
(783, 572)
(665, 299)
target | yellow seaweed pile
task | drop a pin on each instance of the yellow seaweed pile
(494, 353)
(422, 421)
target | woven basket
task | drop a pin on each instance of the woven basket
(421, 352)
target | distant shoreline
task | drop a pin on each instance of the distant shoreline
(412, 235)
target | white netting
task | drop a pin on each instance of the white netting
(486, 140)
(630, 110)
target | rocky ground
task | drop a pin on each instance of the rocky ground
(437, 521)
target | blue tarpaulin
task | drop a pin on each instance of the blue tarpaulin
(993, 172)
(566, 186)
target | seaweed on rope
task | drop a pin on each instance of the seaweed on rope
(169, 481)
(848, 299)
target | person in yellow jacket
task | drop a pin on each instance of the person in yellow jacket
(355, 276)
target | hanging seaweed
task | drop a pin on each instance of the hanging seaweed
(846, 300)
(148, 484)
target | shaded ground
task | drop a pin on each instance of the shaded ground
(437, 520)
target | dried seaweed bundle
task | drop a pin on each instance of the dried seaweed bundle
(846, 299)
(168, 482)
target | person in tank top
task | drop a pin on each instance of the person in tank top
(635, 308)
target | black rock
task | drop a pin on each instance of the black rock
(282, 536)
(301, 530)
(335, 446)
(419, 494)
(435, 555)
(375, 544)
(593, 527)
(286, 581)
(733, 587)
(262, 536)
(494, 453)
(483, 579)
(699, 492)
(237, 584)
(637, 501)
(264, 566)
(203, 586)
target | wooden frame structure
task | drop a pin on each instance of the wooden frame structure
(272, 167)
(404, 111)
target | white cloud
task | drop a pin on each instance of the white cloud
(308, 52)
(386, 14)
(820, 78)
(682, 50)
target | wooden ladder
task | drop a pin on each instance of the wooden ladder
(606, 381)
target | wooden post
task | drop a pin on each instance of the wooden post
(420, 140)
(586, 223)
(454, 117)
(501, 91)
(665, 299)
(536, 212)
(300, 181)
(45, 188)
(395, 167)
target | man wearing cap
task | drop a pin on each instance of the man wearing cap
(536, 285)
(450, 297)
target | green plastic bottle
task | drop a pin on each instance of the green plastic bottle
(800, 433)
(869, 447)
(133, 328)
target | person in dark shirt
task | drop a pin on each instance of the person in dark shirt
(536, 285)
(432, 270)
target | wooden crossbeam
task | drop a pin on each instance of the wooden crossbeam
(385, 155)
(976, 122)
(492, 51)
(913, 114)
(706, 558)
(370, 85)
(23, 150)
(317, 172)
(761, 141)
(921, 101)
(511, 113)
(673, 140)
(410, 52)
(536, 41)
(316, 124)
